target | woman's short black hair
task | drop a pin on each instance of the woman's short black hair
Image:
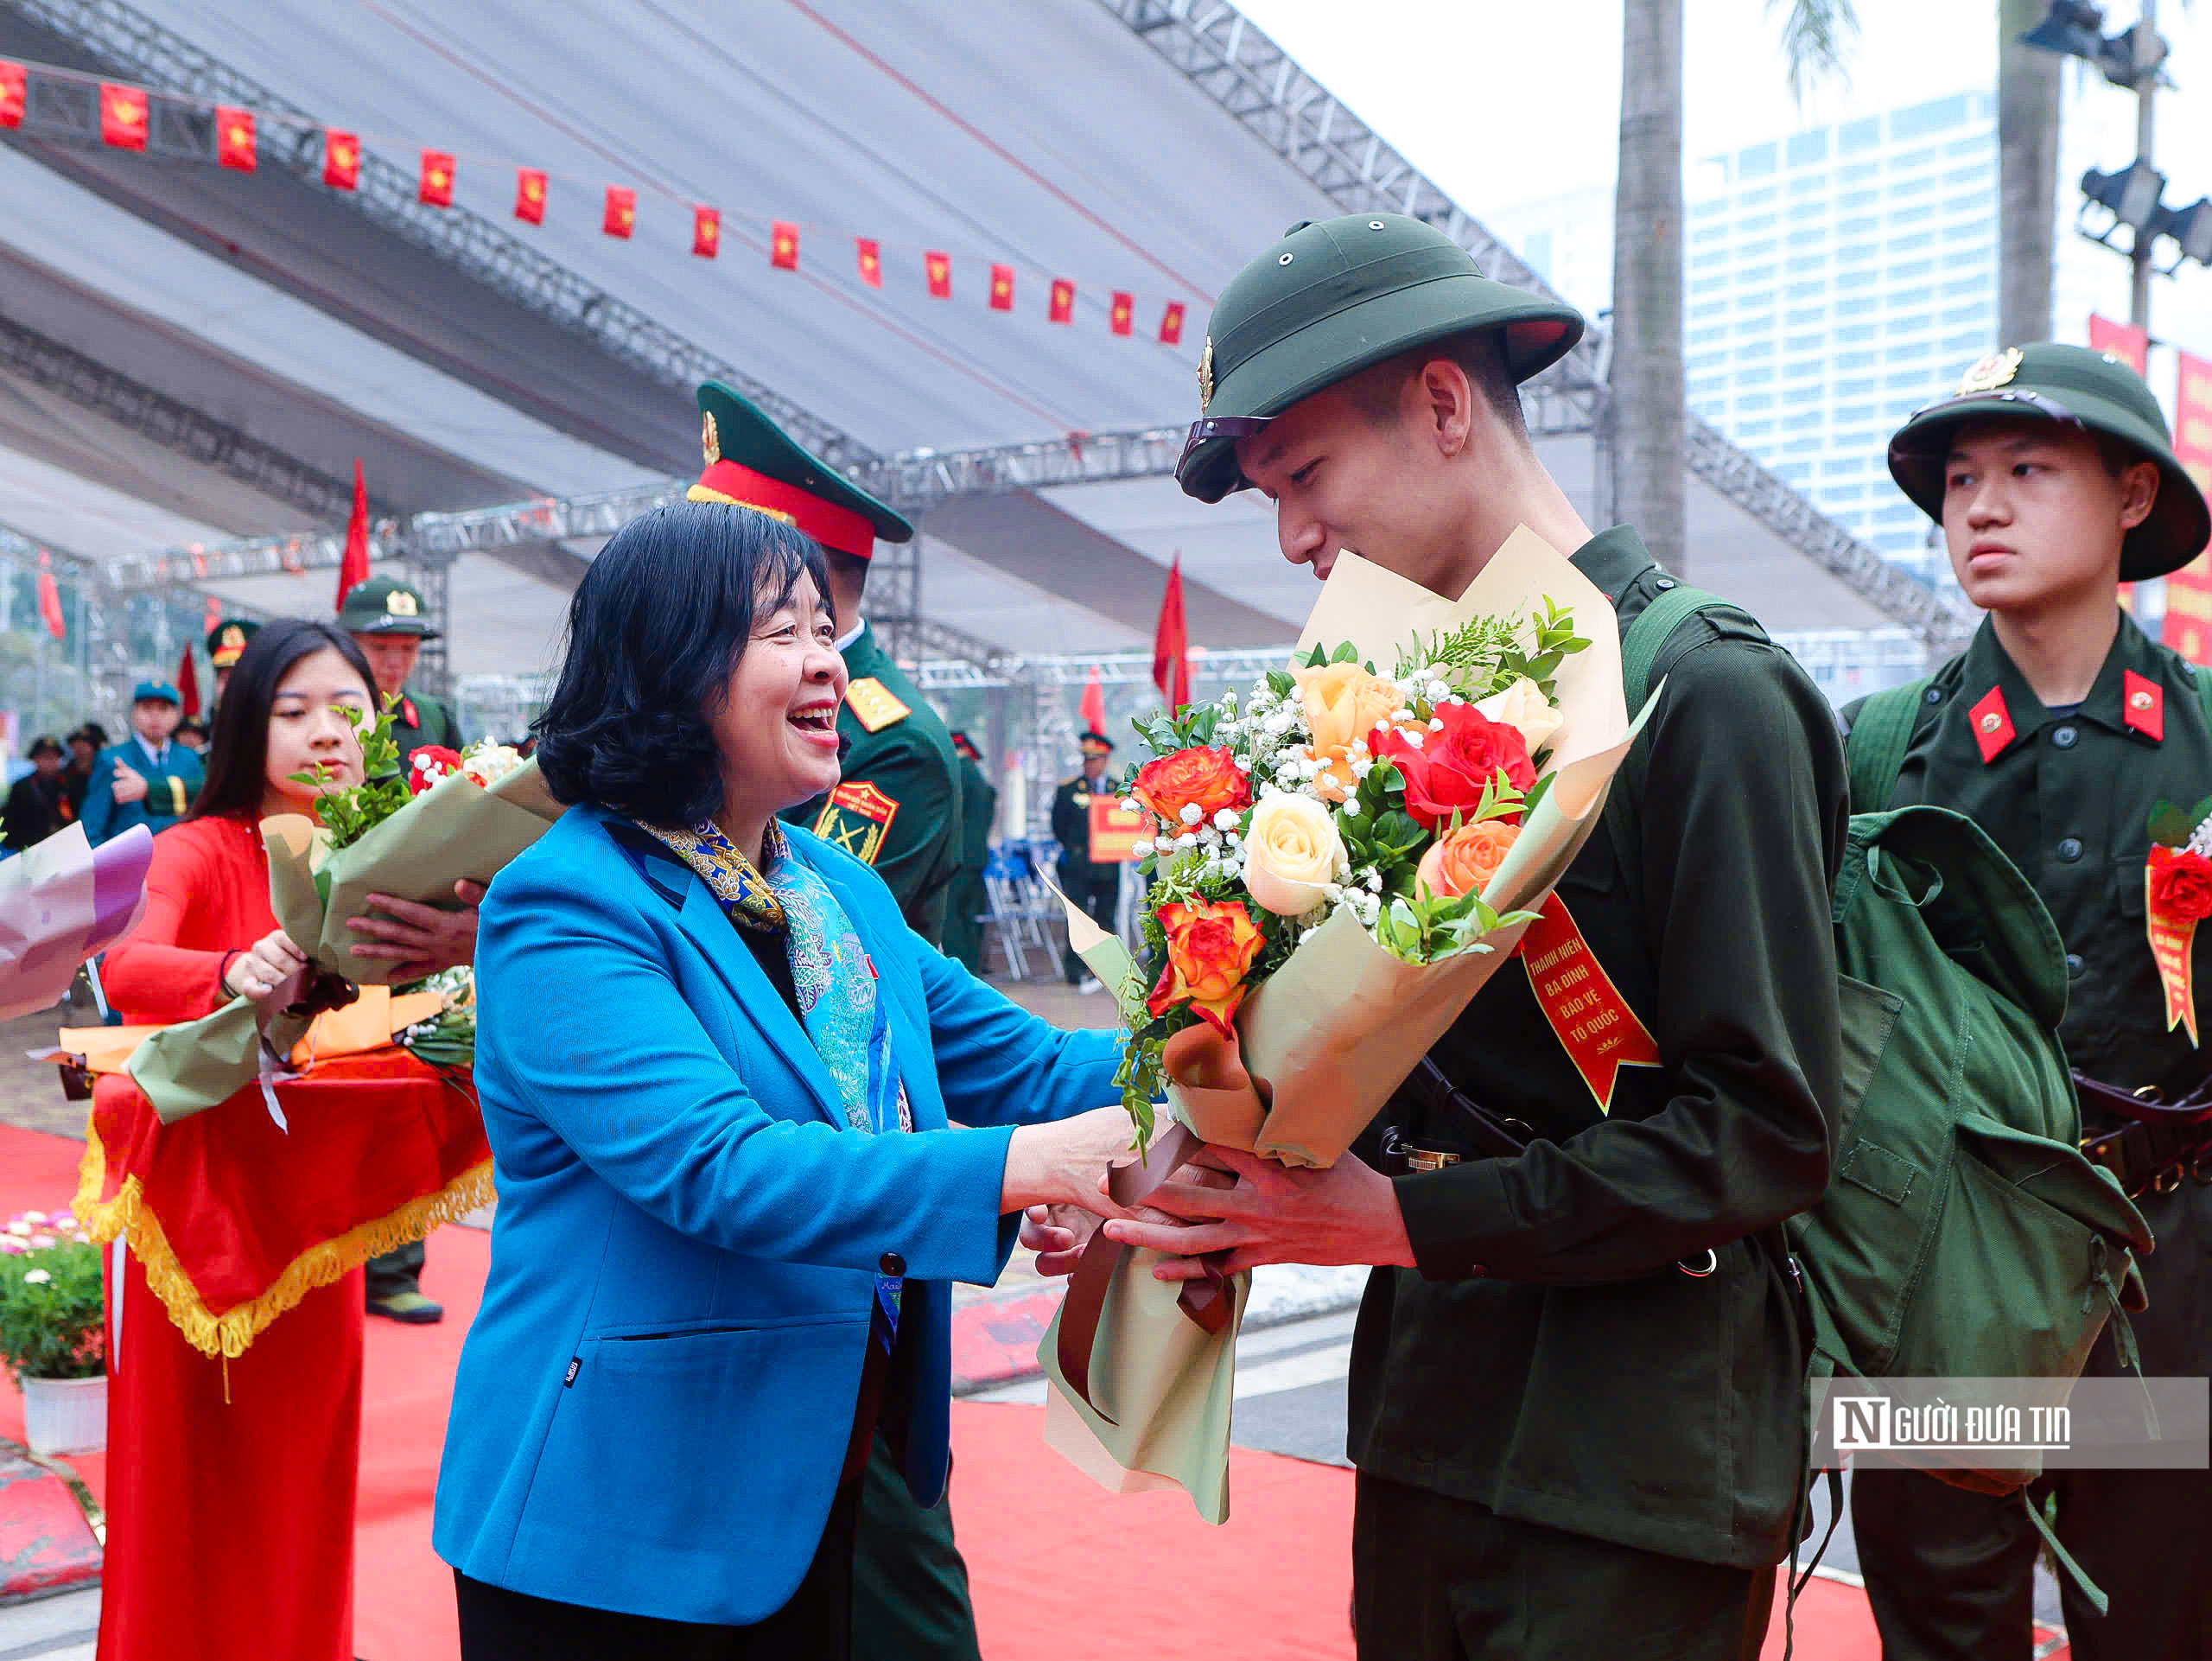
(655, 630)
(238, 747)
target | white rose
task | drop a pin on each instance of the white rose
(37, 1277)
(1292, 853)
(1523, 705)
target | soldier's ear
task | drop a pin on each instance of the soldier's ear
(2139, 494)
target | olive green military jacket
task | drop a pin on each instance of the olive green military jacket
(979, 806)
(1071, 829)
(2069, 797)
(899, 805)
(1546, 1358)
(418, 720)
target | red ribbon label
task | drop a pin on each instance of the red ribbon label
(1601, 1034)
(2172, 939)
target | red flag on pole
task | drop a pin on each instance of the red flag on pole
(1171, 644)
(622, 212)
(871, 255)
(12, 89)
(939, 267)
(341, 160)
(1124, 312)
(1001, 287)
(783, 247)
(436, 187)
(1094, 703)
(215, 616)
(49, 598)
(530, 195)
(187, 685)
(123, 117)
(354, 568)
(706, 232)
(1063, 310)
(1171, 324)
(234, 139)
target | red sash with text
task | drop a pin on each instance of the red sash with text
(1601, 1034)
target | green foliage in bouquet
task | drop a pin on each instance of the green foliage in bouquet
(53, 1316)
(1488, 654)
(351, 812)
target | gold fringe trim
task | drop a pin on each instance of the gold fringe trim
(229, 1334)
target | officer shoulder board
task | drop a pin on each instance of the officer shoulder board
(875, 705)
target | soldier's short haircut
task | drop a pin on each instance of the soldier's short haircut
(1480, 352)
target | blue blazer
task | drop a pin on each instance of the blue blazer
(653, 1406)
(170, 790)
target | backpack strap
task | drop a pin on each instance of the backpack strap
(1876, 744)
(1642, 647)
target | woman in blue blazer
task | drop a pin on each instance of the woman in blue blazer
(717, 1070)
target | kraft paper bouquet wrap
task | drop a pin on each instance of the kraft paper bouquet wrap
(61, 901)
(456, 829)
(1341, 860)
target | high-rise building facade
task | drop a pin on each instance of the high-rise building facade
(1839, 279)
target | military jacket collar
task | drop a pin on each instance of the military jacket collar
(1613, 560)
(2128, 697)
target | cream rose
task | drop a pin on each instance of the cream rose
(1291, 851)
(1523, 706)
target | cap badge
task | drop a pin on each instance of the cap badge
(232, 636)
(710, 441)
(1991, 372)
(1205, 375)
(400, 603)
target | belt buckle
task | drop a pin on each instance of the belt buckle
(1426, 1159)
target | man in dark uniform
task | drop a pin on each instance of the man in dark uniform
(1568, 1445)
(226, 644)
(1095, 885)
(385, 618)
(979, 807)
(84, 747)
(38, 803)
(899, 810)
(2059, 731)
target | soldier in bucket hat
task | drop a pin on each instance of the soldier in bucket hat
(2061, 730)
(1576, 1393)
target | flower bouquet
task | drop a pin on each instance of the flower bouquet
(1342, 858)
(61, 901)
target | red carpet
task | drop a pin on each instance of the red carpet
(1053, 1558)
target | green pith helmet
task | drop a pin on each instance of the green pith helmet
(751, 463)
(2081, 391)
(385, 605)
(1331, 298)
(226, 641)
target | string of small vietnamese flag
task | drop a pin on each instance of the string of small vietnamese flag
(126, 117)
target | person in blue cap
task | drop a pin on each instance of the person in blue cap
(149, 778)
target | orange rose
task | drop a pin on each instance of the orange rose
(1206, 780)
(1210, 948)
(1464, 861)
(1342, 701)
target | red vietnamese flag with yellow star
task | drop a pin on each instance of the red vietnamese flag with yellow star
(123, 117)
(12, 88)
(706, 232)
(1063, 307)
(1001, 287)
(341, 159)
(783, 245)
(1171, 324)
(1124, 312)
(621, 216)
(939, 268)
(234, 138)
(436, 187)
(530, 195)
(871, 255)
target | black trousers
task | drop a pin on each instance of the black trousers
(910, 1584)
(496, 1625)
(397, 1270)
(1097, 890)
(1438, 1578)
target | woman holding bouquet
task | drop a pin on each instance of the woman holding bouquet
(731, 1205)
(231, 1495)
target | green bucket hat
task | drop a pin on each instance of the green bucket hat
(385, 605)
(1331, 298)
(2085, 392)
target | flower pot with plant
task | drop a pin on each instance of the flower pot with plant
(54, 1331)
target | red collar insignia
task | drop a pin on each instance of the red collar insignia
(1993, 724)
(2143, 706)
(407, 712)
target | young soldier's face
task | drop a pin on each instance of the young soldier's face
(154, 719)
(2032, 514)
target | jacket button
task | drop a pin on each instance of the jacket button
(2069, 850)
(2065, 737)
(2074, 965)
(1935, 695)
(892, 1264)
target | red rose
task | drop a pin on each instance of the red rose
(1447, 771)
(429, 764)
(2181, 884)
(1206, 780)
(1210, 948)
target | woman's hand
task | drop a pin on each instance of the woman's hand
(419, 939)
(1058, 1235)
(264, 966)
(1065, 1164)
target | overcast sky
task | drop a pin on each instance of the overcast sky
(1471, 90)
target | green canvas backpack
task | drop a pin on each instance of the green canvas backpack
(1963, 1234)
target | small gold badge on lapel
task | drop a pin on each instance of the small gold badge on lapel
(1991, 372)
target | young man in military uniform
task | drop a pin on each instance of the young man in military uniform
(385, 618)
(1577, 1386)
(226, 644)
(979, 807)
(2059, 731)
(1095, 885)
(149, 778)
(899, 810)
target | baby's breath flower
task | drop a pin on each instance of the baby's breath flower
(1191, 813)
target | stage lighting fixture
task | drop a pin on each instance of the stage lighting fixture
(2131, 197)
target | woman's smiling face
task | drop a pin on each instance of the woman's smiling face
(777, 728)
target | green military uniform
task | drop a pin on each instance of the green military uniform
(1567, 1445)
(2068, 794)
(1095, 885)
(979, 807)
(897, 808)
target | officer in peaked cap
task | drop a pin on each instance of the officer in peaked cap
(979, 807)
(898, 809)
(149, 778)
(387, 620)
(1095, 885)
(1576, 1398)
(226, 644)
(2061, 730)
